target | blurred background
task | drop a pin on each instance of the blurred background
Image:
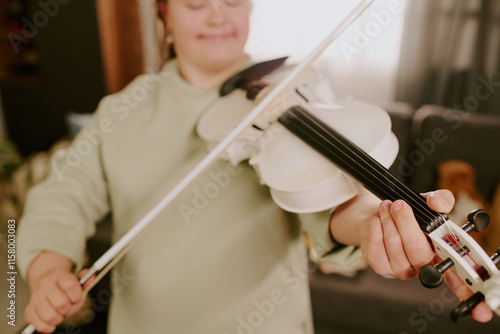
(58, 57)
(432, 64)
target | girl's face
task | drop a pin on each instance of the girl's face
(209, 33)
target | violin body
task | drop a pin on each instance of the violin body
(219, 119)
(300, 179)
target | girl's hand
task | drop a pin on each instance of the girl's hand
(393, 244)
(56, 293)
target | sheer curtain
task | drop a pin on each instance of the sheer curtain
(450, 54)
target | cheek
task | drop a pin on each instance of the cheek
(184, 24)
(242, 25)
(186, 31)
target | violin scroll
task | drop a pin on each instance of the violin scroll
(432, 276)
(470, 262)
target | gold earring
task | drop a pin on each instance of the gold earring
(169, 38)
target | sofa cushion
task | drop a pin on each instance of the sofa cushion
(440, 134)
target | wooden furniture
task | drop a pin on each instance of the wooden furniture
(121, 36)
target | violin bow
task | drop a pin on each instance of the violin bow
(109, 259)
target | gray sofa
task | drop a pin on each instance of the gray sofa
(369, 303)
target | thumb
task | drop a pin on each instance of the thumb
(440, 200)
(87, 282)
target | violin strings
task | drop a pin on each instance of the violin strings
(367, 159)
(363, 159)
(367, 164)
(417, 200)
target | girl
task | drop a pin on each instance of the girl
(228, 263)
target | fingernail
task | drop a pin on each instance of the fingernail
(396, 205)
(385, 205)
(438, 200)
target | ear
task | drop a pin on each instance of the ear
(162, 10)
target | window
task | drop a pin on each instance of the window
(362, 63)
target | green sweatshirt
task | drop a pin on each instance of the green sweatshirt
(222, 259)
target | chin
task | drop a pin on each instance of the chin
(218, 61)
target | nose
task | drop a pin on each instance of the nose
(217, 12)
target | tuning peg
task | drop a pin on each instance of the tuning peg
(465, 308)
(432, 277)
(477, 221)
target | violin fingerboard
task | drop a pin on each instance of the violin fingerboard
(358, 164)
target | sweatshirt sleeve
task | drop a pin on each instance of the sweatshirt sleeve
(61, 212)
(323, 247)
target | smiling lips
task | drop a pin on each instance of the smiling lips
(217, 37)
